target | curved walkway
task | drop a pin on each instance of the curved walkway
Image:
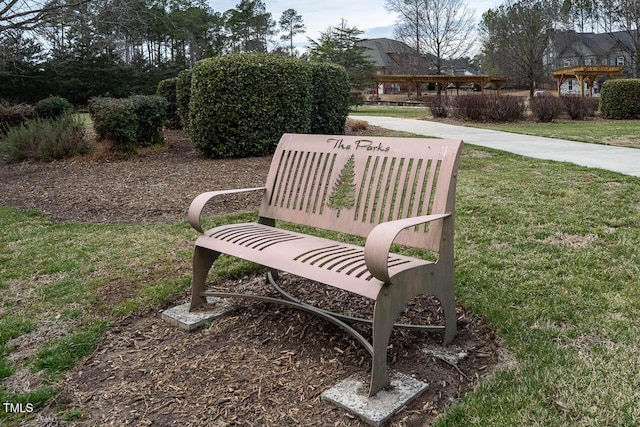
(617, 159)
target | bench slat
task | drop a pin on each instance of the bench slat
(340, 265)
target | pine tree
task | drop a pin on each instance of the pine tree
(344, 190)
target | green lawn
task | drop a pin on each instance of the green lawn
(624, 133)
(546, 251)
(392, 111)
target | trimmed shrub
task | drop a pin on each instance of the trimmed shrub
(167, 89)
(129, 122)
(438, 106)
(488, 108)
(470, 107)
(52, 107)
(502, 108)
(150, 114)
(330, 92)
(620, 99)
(12, 115)
(183, 96)
(44, 140)
(115, 120)
(546, 108)
(580, 107)
(355, 126)
(241, 104)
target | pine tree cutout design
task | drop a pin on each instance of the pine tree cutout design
(344, 190)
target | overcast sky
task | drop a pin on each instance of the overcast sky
(368, 15)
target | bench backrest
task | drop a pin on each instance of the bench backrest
(350, 184)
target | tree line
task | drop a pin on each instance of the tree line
(79, 48)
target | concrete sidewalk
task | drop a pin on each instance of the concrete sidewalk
(617, 159)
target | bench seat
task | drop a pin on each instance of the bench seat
(341, 265)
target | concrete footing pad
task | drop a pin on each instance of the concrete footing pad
(182, 318)
(352, 395)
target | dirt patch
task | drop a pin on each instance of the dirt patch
(266, 365)
(258, 365)
(158, 185)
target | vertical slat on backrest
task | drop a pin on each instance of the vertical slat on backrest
(314, 173)
(387, 191)
(304, 180)
(404, 170)
(360, 207)
(378, 196)
(289, 178)
(351, 184)
(326, 184)
(418, 184)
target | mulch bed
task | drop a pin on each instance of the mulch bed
(258, 365)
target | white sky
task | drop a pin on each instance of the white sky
(368, 15)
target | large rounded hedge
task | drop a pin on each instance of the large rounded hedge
(620, 99)
(241, 104)
(330, 92)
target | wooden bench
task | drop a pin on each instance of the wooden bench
(389, 190)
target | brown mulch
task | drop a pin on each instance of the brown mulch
(260, 364)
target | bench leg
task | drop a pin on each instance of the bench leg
(448, 302)
(445, 293)
(202, 261)
(386, 311)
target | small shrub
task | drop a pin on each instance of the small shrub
(52, 107)
(470, 107)
(488, 108)
(331, 98)
(183, 96)
(167, 89)
(580, 107)
(44, 140)
(620, 99)
(438, 106)
(12, 115)
(546, 108)
(354, 126)
(150, 114)
(504, 109)
(115, 120)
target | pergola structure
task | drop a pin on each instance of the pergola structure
(445, 80)
(586, 74)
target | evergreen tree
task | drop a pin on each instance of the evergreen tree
(340, 45)
(344, 190)
(291, 23)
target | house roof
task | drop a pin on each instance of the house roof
(379, 50)
(570, 43)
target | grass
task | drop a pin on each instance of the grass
(391, 111)
(546, 251)
(624, 133)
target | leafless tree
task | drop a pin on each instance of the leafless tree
(442, 29)
(29, 14)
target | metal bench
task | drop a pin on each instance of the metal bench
(389, 190)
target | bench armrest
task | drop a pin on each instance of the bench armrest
(195, 210)
(379, 240)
